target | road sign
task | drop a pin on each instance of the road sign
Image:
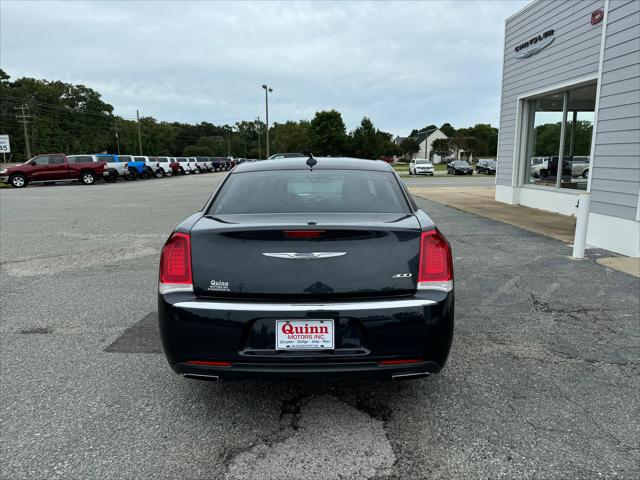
(5, 147)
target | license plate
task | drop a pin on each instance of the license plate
(304, 334)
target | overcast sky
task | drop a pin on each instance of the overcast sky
(404, 65)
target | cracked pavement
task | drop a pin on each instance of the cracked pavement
(542, 381)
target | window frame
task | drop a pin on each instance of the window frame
(524, 116)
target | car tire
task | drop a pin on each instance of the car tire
(87, 178)
(18, 181)
(159, 173)
(112, 177)
(145, 175)
(198, 170)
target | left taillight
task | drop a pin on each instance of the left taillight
(436, 262)
(175, 264)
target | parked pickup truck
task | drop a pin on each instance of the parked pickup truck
(54, 167)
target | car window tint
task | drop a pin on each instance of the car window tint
(139, 159)
(125, 158)
(80, 159)
(55, 159)
(42, 160)
(106, 158)
(300, 191)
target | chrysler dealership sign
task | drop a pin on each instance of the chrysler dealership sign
(534, 45)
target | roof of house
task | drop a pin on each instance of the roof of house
(424, 134)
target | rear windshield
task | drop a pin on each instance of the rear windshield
(105, 158)
(301, 191)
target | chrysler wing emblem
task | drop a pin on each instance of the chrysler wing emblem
(303, 255)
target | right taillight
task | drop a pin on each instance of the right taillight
(436, 263)
(175, 264)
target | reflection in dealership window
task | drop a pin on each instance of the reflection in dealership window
(545, 123)
(565, 117)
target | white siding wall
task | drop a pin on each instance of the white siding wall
(615, 179)
(574, 54)
(426, 143)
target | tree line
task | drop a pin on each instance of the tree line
(62, 117)
(479, 140)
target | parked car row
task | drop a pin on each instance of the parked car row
(59, 167)
(572, 167)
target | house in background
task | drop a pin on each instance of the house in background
(425, 140)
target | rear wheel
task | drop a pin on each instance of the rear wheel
(112, 177)
(159, 173)
(146, 175)
(87, 178)
(130, 175)
(18, 181)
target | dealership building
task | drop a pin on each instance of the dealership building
(570, 116)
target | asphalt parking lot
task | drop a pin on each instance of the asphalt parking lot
(542, 380)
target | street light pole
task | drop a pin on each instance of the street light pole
(267, 90)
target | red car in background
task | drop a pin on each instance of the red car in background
(54, 167)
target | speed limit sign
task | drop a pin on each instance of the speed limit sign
(5, 147)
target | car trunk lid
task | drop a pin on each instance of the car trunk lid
(284, 256)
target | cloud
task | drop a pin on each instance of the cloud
(403, 64)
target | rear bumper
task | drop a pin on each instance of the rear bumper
(417, 328)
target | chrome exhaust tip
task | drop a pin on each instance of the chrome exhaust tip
(200, 376)
(409, 376)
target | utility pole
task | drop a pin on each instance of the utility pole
(139, 135)
(24, 119)
(267, 90)
(259, 142)
(117, 137)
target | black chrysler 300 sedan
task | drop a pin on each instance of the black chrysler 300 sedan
(307, 268)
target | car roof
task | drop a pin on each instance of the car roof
(323, 163)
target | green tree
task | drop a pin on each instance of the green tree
(289, 137)
(448, 130)
(365, 141)
(327, 133)
(409, 147)
(445, 147)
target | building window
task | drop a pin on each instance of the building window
(560, 125)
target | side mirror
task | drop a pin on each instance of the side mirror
(32, 163)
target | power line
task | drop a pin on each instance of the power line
(62, 107)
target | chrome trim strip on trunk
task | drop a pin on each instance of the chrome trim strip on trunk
(303, 307)
(303, 255)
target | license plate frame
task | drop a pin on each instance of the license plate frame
(311, 338)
